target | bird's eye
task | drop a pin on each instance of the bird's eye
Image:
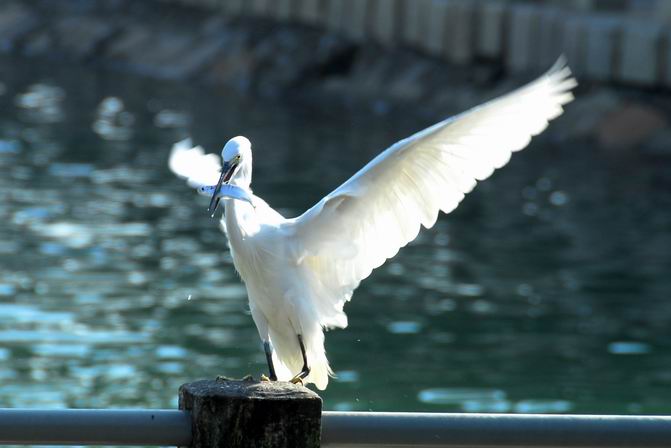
(237, 158)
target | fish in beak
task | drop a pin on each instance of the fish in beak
(226, 173)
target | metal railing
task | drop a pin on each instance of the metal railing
(95, 427)
(351, 429)
(345, 429)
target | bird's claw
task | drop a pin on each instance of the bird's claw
(264, 377)
(297, 380)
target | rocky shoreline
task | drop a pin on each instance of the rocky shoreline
(307, 65)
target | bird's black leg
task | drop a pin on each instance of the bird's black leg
(305, 371)
(269, 357)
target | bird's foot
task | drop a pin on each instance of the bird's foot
(264, 377)
(297, 380)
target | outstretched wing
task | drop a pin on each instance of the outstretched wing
(192, 164)
(365, 221)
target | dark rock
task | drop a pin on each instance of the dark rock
(72, 37)
(161, 53)
(16, 21)
(38, 43)
(80, 37)
(408, 85)
(201, 54)
(586, 113)
(659, 144)
(247, 413)
(132, 37)
(235, 64)
(629, 126)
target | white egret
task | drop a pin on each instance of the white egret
(299, 272)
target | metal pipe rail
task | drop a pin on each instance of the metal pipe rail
(95, 427)
(400, 429)
(345, 429)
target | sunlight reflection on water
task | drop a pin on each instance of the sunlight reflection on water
(42, 103)
(116, 286)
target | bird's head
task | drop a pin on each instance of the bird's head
(237, 167)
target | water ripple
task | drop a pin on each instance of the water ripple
(518, 301)
(42, 102)
(112, 121)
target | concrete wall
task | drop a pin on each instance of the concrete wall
(620, 47)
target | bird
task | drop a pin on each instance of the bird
(300, 272)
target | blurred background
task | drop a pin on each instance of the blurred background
(547, 290)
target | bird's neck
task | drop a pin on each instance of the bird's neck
(243, 176)
(241, 182)
(241, 219)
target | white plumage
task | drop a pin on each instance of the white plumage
(299, 272)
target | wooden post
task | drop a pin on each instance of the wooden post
(248, 413)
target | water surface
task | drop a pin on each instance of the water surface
(546, 291)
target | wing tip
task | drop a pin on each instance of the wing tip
(184, 144)
(560, 63)
(178, 148)
(191, 163)
(561, 73)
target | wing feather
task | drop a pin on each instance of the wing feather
(380, 209)
(192, 164)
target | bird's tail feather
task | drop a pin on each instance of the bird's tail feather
(319, 365)
(289, 361)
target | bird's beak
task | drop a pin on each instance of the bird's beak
(226, 174)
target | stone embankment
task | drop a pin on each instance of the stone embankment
(435, 59)
(522, 36)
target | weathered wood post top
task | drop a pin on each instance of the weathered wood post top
(248, 413)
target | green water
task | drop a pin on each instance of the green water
(548, 290)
